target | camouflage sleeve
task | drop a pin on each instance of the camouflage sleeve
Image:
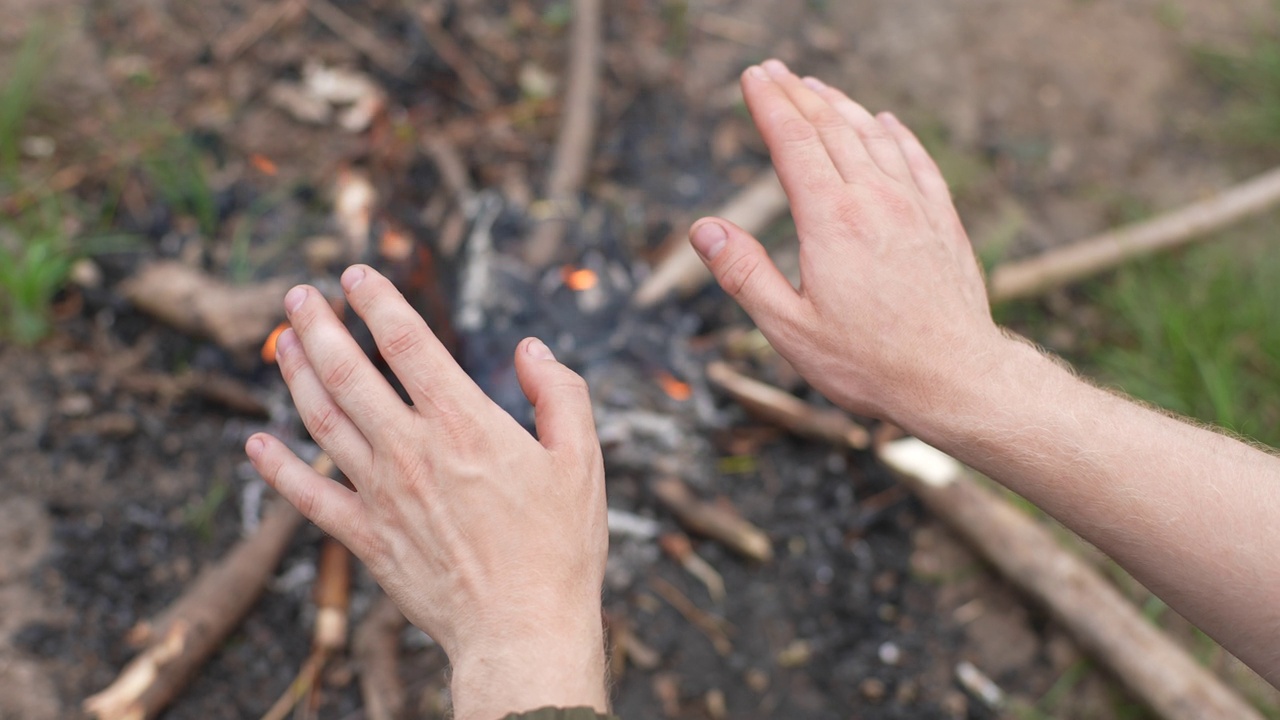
(551, 713)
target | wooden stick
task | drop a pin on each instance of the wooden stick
(682, 272)
(238, 318)
(713, 520)
(576, 141)
(329, 635)
(713, 626)
(1104, 252)
(788, 411)
(376, 646)
(184, 636)
(1159, 672)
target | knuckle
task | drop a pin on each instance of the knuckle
(340, 374)
(324, 422)
(738, 272)
(797, 131)
(307, 500)
(402, 341)
(827, 118)
(894, 204)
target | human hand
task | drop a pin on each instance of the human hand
(892, 302)
(491, 541)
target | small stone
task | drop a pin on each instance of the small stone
(797, 654)
(323, 251)
(716, 706)
(889, 654)
(873, 689)
(907, 692)
(86, 274)
(757, 680)
(77, 405)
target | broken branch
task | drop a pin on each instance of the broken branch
(1158, 671)
(184, 636)
(235, 317)
(1104, 252)
(682, 272)
(572, 157)
(713, 520)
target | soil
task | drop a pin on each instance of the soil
(1054, 118)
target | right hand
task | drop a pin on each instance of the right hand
(892, 299)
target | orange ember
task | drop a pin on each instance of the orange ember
(269, 347)
(263, 164)
(395, 245)
(673, 387)
(578, 279)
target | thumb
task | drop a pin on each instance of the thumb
(561, 402)
(743, 268)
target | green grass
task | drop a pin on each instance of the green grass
(1198, 334)
(176, 172)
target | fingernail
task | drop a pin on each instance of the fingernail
(352, 277)
(286, 343)
(757, 72)
(776, 68)
(709, 239)
(254, 447)
(538, 350)
(814, 83)
(293, 300)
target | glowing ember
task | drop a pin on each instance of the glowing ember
(673, 387)
(395, 245)
(263, 164)
(579, 279)
(269, 347)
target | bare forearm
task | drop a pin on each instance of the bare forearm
(1191, 513)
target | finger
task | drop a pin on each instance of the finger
(561, 401)
(802, 161)
(880, 144)
(329, 505)
(924, 171)
(328, 424)
(745, 271)
(842, 141)
(342, 367)
(429, 374)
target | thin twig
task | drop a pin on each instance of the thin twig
(1163, 232)
(713, 626)
(376, 642)
(483, 95)
(360, 37)
(576, 141)
(264, 19)
(713, 520)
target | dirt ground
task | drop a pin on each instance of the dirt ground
(1053, 119)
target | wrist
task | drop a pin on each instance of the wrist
(965, 394)
(557, 664)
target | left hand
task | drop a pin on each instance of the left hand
(491, 541)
